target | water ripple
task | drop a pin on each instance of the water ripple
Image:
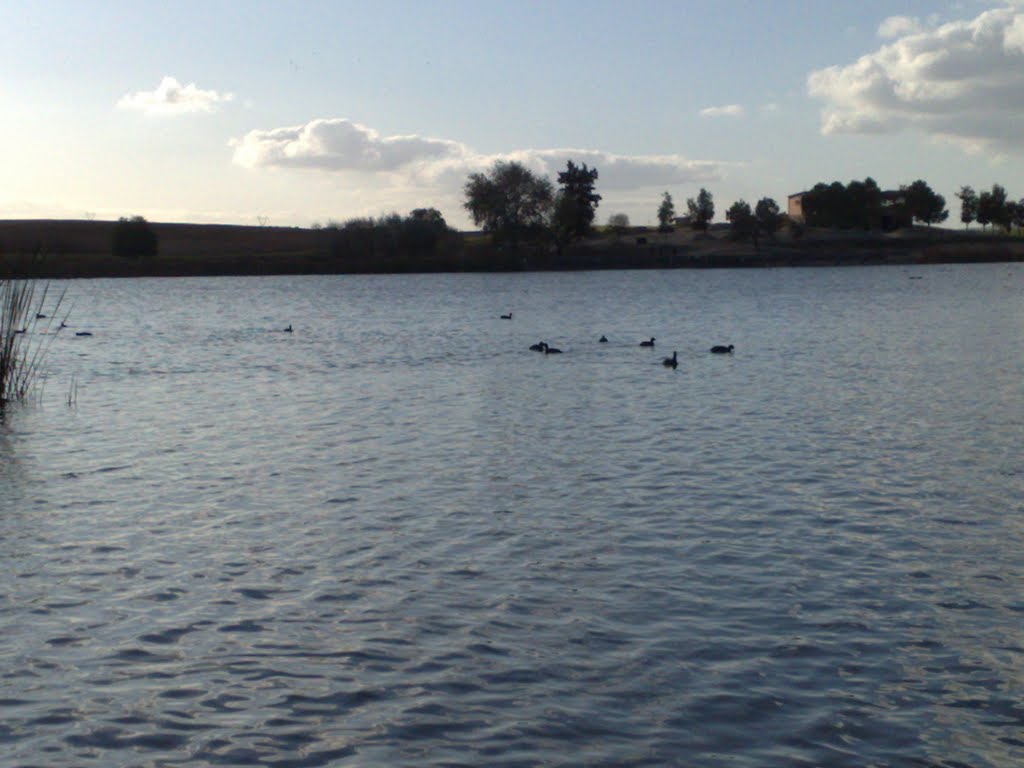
(398, 537)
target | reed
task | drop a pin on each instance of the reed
(25, 336)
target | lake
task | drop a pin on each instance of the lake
(396, 536)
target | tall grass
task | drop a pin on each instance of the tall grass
(24, 336)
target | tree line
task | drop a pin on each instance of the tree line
(990, 207)
(863, 205)
(514, 206)
(422, 233)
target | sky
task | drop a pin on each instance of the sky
(296, 114)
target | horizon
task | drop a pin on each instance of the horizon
(299, 116)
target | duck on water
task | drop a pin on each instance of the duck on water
(718, 349)
(670, 362)
(647, 343)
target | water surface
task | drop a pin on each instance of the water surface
(398, 537)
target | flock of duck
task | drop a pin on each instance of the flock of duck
(668, 362)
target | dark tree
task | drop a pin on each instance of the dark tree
(769, 219)
(825, 205)
(862, 207)
(992, 208)
(924, 204)
(422, 230)
(1018, 214)
(857, 205)
(743, 221)
(701, 210)
(579, 199)
(510, 202)
(666, 213)
(133, 238)
(968, 205)
(563, 220)
(985, 209)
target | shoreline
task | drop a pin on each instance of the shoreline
(69, 249)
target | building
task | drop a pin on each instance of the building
(795, 207)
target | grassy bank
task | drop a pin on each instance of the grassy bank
(79, 249)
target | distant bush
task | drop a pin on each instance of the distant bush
(618, 223)
(133, 238)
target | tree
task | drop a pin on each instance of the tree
(422, 230)
(510, 202)
(133, 238)
(984, 209)
(666, 213)
(992, 208)
(579, 201)
(924, 204)
(855, 205)
(563, 220)
(968, 205)
(1000, 212)
(769, 219)
(862, 205)
(743, 221)
(701, 210)
(618, 223)
(1018, 214)
(825, 205)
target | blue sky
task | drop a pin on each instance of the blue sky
(296, 113)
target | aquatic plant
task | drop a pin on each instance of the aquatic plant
(23, 336)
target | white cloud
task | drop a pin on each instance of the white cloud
(340, 145)
(729, 110)
(961, 82)
(173, 98)
(899, 26)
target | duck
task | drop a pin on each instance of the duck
(288, 329)
(603, 340)
(718, 349)
(670, 362)
(507, 317)
(538, 347)
(647, 343)
(83, 333)
(551, 350)
(40, 316)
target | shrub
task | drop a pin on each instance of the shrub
(21, 352)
